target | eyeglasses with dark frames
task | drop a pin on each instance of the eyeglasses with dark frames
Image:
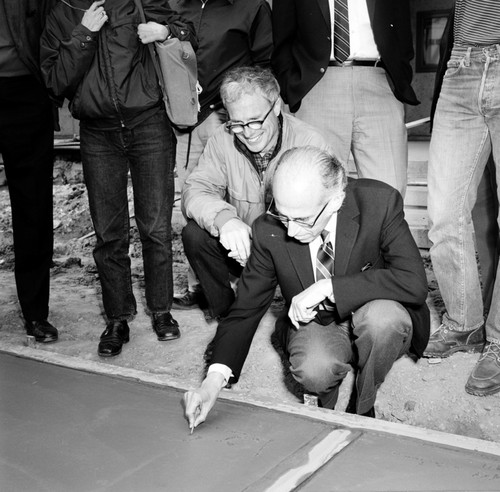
(271, 210)
(253, 125)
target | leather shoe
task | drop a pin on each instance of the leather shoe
(113, 337)
(485, 377)
(165, 327)
(190, 300)
(42, 330)
(445, 341)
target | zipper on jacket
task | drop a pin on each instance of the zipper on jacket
(110, 79)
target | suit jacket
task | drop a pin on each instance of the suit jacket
(302, 45)
(370, 230)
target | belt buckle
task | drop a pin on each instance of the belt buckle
(348, 63)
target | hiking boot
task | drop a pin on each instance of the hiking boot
(485, 377)
(445, 341)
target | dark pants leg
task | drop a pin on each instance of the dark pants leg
(26, 144)
(320, 355)
(212, 266)
(484, 217)
(148, 151)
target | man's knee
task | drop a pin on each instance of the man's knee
(194, 239)
(318, 374)
(382, 321)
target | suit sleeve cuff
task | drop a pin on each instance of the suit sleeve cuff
(221, 369)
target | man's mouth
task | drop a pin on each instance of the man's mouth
(254, 139)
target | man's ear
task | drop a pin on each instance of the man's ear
(277, 106)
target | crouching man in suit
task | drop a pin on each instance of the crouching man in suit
(350, 273)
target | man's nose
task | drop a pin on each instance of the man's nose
(292, 228)
(248, 132)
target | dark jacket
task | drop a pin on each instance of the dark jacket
(231, 33)
(108, 76)
(302, 45)
(26, 20)
(370, 229)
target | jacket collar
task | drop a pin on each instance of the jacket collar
(324, 6)
(347, 231)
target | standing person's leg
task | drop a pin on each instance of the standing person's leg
(151, 150)
(189, 149)
(26, 143)
(105, 169)
(485, 378)
(382, 332)
(484, 218)
(329, 106)
(379, 141)
(459, 149)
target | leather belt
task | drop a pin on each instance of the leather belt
(357, 63)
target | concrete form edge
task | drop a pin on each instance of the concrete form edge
(337, 418)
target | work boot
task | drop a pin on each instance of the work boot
(445, 341)
(485, 377)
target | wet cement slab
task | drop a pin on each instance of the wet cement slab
(68, 430)
(63, 429)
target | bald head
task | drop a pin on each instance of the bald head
(308, 187)
(308, 172)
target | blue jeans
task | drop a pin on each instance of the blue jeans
(379, 333)
(466, 130)
(148, 150)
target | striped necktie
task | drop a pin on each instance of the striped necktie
(324, 266)
(325, 258)
(341, 49)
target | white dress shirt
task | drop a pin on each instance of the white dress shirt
(362, 42)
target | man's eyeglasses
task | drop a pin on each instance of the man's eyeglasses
(286, 220)
(253, 125)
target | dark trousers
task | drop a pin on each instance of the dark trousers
(148, 151)
(212, 266)
(26, 144)
(320, 356)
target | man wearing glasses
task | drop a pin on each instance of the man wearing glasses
(351, 276)
(226, 192)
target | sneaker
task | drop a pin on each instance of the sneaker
(485, 377)
(190, 300)
(445, 341)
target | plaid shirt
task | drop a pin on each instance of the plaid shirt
(258, 161)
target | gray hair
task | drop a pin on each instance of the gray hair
(331, 171)
(249, 80)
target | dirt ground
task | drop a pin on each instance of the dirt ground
(428, 394)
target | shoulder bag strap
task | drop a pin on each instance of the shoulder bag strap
(151, 48)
